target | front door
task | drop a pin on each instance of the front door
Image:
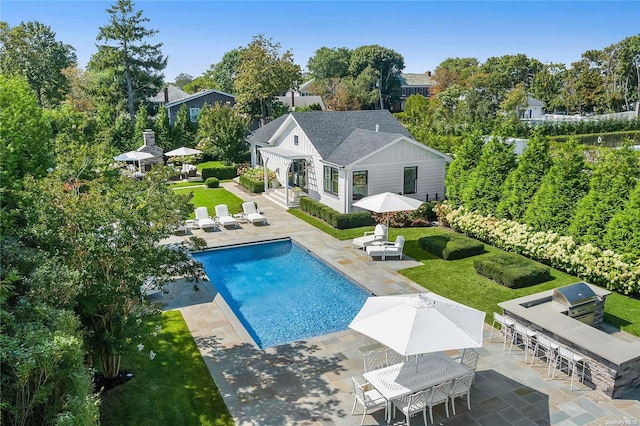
(298, 175)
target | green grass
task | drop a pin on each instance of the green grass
(175, 388)
(210, 197)
(208, 164)
(458, 280)
(182, 184)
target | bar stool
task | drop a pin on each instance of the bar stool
(549, 351)
(506, 328)
(525, 335)
(571, 359)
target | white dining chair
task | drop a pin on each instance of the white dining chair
(461, 387)
(368, 398)
(374, 360)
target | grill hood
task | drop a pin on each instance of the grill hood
(574, 294)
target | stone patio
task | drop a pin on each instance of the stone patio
(309, 382)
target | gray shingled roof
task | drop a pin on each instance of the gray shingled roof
(328, 130)
(416, 80)
(175, 93)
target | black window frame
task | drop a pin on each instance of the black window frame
(408, 179)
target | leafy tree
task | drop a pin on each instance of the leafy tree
(524, 181)
(459, 170)
(547, 85)
(183, 131)
(221, 133)
(182, 80)
(622, 233)
(553, 205)
(32, 51)
(385, 65)
(454, 71)
(336, 93)
(107, 232)
(329, 63)
(511, 70)
(25, 143)
(612, 181)
(221, 76)
(514, 102)
(483, 192)
(78, 96)
(135, 63)
(141, 124)
(162, 129)
(263, 74)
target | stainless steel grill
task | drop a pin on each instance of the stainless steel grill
(580, 301)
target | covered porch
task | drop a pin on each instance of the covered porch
(291, 169)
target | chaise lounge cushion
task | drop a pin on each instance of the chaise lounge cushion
(203, 220)
(223, 217)
(379, 234)
(251, 213)
(386, 250)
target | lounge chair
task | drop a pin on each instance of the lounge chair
(386, 250)
(223, 218)
(203, 220)
(250, 213)
(378, 234)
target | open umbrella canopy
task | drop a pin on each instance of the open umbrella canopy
(387, 202)
(420, 323)
(183, 151)
(133, 156)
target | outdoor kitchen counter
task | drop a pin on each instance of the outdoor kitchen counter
(548, 317)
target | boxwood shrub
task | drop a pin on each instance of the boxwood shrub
(222, 172)
(212, 182)
(512, 270)
(256, 186)
(334, 218)
(451, 247)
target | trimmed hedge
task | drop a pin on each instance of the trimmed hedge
(256, 186)
(511, 270)
(332, 217)
(222, 172)
(451, 247)
(212, 182)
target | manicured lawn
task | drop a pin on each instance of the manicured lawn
(181, 184)
(211, 197)
(175, 388)
(208, 164)
(458, 280)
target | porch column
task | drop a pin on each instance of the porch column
(266, 175)
(286, 182)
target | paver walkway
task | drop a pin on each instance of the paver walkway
(309, 382)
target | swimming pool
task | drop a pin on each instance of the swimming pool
(280, 292)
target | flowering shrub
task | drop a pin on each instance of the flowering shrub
(603, 267)
(257, 173)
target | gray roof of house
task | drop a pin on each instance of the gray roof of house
(416, 80)
(175, 93)
(533, 102)
(196, 95)
(328, 131)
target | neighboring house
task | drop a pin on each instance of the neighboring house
(301, 97)
(534, 109)
(170, 93)
(338, 157)
(196, 101)
(519, 145)
(414, 84)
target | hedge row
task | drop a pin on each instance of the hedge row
(222, 172)
(332, 217)
(256, 186)
(451, 247)
(511, 270)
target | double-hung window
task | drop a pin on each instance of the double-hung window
(331, 180)
(410, 180)
(193, 114)
(360, 180)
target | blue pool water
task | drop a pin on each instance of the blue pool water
(280, 292)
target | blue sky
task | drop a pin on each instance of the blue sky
(197, 33)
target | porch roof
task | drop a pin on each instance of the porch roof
(283, 153)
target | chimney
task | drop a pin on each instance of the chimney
(166, 95)
(428, 73)
(149, 137)
(293, 102)
(377, 128)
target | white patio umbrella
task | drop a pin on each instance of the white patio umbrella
(387, 202)
(415, 324)
(134, 156)
(183, 151)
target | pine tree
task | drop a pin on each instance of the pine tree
(554, 204)
(162, 128)
(483, 191)
(142, 123)
(524, 181)
(622, 233)
(612, 181)
(458, 171)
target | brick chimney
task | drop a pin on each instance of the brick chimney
(428, 73)
(166, 95)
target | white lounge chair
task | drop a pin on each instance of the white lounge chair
(250, 213)
(386, 250)
(203, 220)
(378, 234)
(223, 218)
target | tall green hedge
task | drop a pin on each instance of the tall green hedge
(222, 172)
(256, 186)
(334, 218)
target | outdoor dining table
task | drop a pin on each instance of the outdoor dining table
(414, 375)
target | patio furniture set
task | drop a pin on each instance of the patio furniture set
(223, 219)
(376, 243)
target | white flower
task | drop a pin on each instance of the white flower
(152, 355)
(138, 322)
(140, 346)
